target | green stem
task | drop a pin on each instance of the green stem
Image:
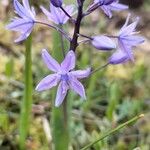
(113, 131)
(27, 99)
(60, 115)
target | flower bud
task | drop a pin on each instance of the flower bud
(103, 43)
(57, 3)
(118, 57)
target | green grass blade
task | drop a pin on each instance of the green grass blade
(114, 95)
(113, 131)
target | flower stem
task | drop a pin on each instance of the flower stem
(113, 131)
(62, 42)
(60, 115)
(74, 41)
(55, 28)
(98, 69)
(27, 99)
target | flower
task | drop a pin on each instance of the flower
(63, 75)
(103, 43)
(25, 22)
(57, 3)
(57, 15)
(110, 5)
(127, 38)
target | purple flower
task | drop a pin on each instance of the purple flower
(57, 3)
(127, 39)
(110, 5)
(56, 15)
(25, 22)
(64, 76)
(103, 43)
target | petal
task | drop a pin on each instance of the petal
(50, 62)
(103, 43)
(48, 82)
(79, 74)
(20, 10)
(107, 10)
(61, 93)
(118, 7)
(69, 9)
(126, 22)
(126, 48)
(108, 2)
(26, 4)
(129, 29)
(133, 40)
(118, 57)
(31, 11)
(69, 61)
(76, 86)
(56, 13)
(20, 24)
(24, 35)
(48, 14)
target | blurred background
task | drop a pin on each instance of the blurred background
(114, 95)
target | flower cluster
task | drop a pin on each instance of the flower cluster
(59, 14)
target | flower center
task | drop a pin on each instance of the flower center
(64, 77)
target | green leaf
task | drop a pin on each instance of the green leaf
(114, 95)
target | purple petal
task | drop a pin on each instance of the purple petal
(127, 30)
(118, 57)
(125, 48)
(50, 62)
(79, 74)
(24, 35)
(27, 7)
(76, 86)
(118, 7)
(103, 43)
(48, 14)
(107, 10)
(20, 10)
(26, 4)
(56, 14)
(126, 22)
(69, 61)
(20, 24)
(61, 93)
(48, 82)
(69, 9)
(108, 2)
(133, 40)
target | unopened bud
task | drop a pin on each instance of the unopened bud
(57, 3)
(103, 43)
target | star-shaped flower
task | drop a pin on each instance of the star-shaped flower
(25, 22)
(56, 14)
(63, 75)
(110, 5)
(127, 39)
